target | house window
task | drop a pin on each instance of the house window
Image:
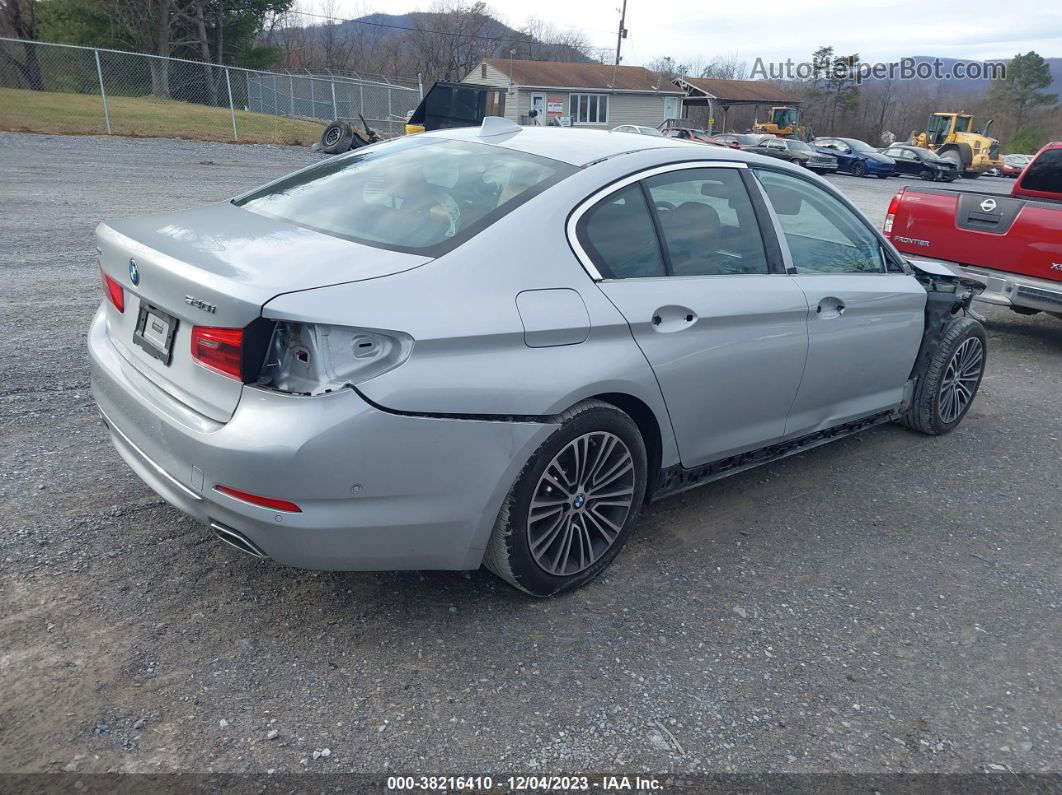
(589, 108)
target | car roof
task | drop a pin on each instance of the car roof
(577, 147)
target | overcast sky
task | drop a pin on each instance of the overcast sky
(879, 30)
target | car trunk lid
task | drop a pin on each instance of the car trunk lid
(215, 267)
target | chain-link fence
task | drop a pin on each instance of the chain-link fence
(62, 88)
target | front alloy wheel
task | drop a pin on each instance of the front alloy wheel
(961, 378)
(947, 380)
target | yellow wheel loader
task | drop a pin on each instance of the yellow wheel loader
(784, 122)
(951, 136)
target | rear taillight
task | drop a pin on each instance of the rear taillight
(219, 349)
(264, 502)
(113, 291)
(890, 214)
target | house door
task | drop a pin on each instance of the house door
(672, 107)
(538, 103)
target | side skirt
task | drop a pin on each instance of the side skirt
(677, 478)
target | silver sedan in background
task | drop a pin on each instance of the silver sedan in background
(495, 345)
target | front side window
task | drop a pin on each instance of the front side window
(618, 235)
(421, 195)
(824, 236)
(707, 222)
(589, 108)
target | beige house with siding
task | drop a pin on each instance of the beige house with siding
(593, 95)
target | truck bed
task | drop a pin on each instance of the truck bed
(1015, 242)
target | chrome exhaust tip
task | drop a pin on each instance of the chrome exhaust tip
(234, 538)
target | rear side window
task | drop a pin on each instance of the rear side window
(708, 223)
(618, 235)
(421, 195)
(1045, 173)
(823, 235)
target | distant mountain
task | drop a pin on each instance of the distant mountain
(492, 38)
(978, 87)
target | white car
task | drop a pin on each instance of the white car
(638, 129)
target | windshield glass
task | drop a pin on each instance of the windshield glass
(798, 146)
(859, 146)
(415, 194)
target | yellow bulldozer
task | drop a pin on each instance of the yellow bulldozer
(784, 121)
(951, 136)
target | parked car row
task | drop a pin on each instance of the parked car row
(833, 154)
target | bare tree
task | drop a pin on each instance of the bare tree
(148, 25)
(726, 67)
(18, 19)
(452, 38)
(544, 41)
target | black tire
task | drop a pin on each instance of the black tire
(1024, 310)
(336, 138)
(859, 169)
(882, 176)
(509, 552)
(929, 412)
(971, 174)
(927, 175)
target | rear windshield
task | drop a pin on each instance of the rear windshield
(1045, 173)
(416, 194)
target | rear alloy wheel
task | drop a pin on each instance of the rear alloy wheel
(948, 380)
(859, 168)
(572, 508)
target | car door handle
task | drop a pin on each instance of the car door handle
(830, 307)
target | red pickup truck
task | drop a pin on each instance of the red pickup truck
(1014, 243)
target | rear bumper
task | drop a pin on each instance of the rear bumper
(377, 490)
(1013, 289)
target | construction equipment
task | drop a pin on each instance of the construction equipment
(784, 122)
(951, 136)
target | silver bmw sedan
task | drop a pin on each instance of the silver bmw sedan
(495, 345)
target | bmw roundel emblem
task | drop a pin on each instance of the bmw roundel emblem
(134, 272)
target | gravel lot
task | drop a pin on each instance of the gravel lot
(887, 603)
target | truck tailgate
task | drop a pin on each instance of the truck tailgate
(979, 229)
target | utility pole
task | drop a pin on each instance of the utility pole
(622, 32)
